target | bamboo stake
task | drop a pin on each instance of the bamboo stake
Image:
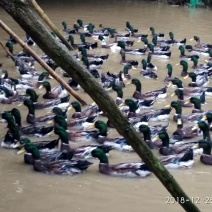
(42, 63)
(45, 18)
(8, 53)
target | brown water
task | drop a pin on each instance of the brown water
(22, 189)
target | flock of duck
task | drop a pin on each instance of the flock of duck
(56, 156)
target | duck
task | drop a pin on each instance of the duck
(185, 132)
(197, 82)
(122, 169)
(159, 93)
(56, 92)
(150, 66)
(91, 65)
(172, 41)
(188, 91)
(158, 46)
(181, 100)
(196, 103)
(31, 119)
(191, 118)
(178, 161)
(49, 146)
(73, 84)
(38, 131)
(204, 127)
(147, 73)
(145, 130)
(196, 50)
(163, 53)
(130, 28)
(208, 117)
(138, 51)
(89, 111)
(152, 115)
(184, 56)
(177, 148)
(49, 104)
(168, 77)
(8, 97)
(81, 152)
(66, 30)
(123, 61)
(205, 157)
(160, 36)
(199, 44)
(118, 143)
(59, 167)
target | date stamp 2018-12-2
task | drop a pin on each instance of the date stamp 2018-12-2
(194, 200)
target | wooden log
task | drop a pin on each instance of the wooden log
(46, 19)
(42, 63)
(61, 56)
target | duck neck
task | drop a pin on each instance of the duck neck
(103, 159)
(119, 93)
(144, 65)
(138, 87)
(165, 141)
(182, 52)
(197, 105)
(147, 135)
(180, 95)
(179, 123)
(64, 137)
(178, 110)
(17, 119)
(206, 133)
(207, 148)
(194, 79)
(31, 110)
(185, 68)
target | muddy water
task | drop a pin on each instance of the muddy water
(24, 190)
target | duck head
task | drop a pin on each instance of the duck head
(203, 126)
(100, 154)
(182, 51)
(146, 132)
(32, 149)
(64, 25)
(71, 39)
(144, 64)
(179, 94)
(137, 84)
(76, 105)
(17, 115)
(208, 117)
(33, 95)
(46, 85)
(131, 104)
(171, 35)
(63, 135)
(29, 104)
(80, 22)
(205, 145)
(196, 102)
(184, 64)
(169, 72)
(118, 90)
(60, 121)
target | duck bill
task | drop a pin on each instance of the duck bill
(173, 95)
(196, 146)
(122, 104)
(167, 106)
(133, 67)
(21, 151)
(187, 102)
(49, 112)
(20, 104)
(186, 77)
(191, 39)
(170, 84)
(17, 145)
(69, 108)
(155, 138)
(204, 118)
(93, 104)
(91, 127)
(51, 77)
(129, 83)
(109, 89)
(40, 87)
(177, 64)
(195, 127)
(3, 75)
(50, 122)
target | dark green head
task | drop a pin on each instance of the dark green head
(151, 47)
(137, 84)
(177, 107)
(146, 131)
(71, 39)
(177, 82)
(60, 120)
(82, 38)
(46, 85)
(80, 22)
(196, 102)
(179, 94)
(25, 141)
(29, 104)
(100, 154)
(59, 111)
(206, 146)
(193, 76)
(76, 105)
(164, 138)
(63, 135)
(118, 90)
(131, 104)
(121, 44)
(171, 35)
(64, 25)
(102, 127)
(8, 117)
(208, 117)
(17, 115)
(43, 76)
(169, 67)
(31, 148)
(182, 50)
(33, 95)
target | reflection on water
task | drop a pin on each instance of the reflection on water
(22, 189)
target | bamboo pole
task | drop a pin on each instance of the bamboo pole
(46, 19)
(42, 63)
(5, 49)
(80, 74)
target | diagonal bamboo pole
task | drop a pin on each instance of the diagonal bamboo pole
(42, 63)
(46, 19)
(19, 11)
